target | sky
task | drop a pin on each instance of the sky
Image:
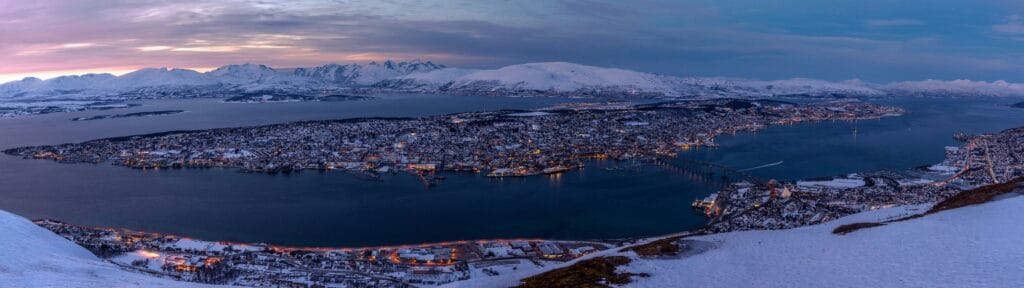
(877, 41)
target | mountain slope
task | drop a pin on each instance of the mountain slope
(31, 256)
(570, 78)
(364, 75)
(558, 77)
(976, 246)
(972, 246)
(254, 77)
(956, 87)
(537, 79)
(163, 77)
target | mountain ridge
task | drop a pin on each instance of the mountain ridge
(538, 79)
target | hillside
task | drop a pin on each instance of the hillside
(972, 246)
(31, 256)
(562, 78)
(364, 75)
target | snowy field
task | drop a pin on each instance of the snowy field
(976, 246)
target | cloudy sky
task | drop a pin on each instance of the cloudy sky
(878, 41)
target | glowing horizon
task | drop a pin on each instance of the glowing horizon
(874, 40)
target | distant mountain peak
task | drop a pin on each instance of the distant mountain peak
(365, 75)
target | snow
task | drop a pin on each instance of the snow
(151, 77)
(957, 87)
(439, 76)
(31, 256)
(545, 76)
(255, 77)
(562, 76)
(943, 168)
(425, 76)
(570, 77)
(155, 262)
(834, 183)
(913, 182)
(975, 246)
(507, 276)
(364, 75)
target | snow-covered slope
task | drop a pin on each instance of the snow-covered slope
(557, 77)
(241, 77)
(974, 246)
(563, 77)
(956, 87)
(163, 77)
(31, 256)
(569, 78)
(58, 85)
(364, 75)
(795, 86)
(252, 77)
(545, 79)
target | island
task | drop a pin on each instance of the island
(499, 143)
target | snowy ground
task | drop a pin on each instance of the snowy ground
(976, 246)
(31, 256)
(834, 183)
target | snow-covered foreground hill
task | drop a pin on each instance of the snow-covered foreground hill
(31, 256)
(974, 246)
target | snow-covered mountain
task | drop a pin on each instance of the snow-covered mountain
(251, 77)
(570, 78)
(31, 256)
(58, 85)
(163, 77)
(364, 75)
(540, 79)
(956, 87)
(241, 77)
(550, 76)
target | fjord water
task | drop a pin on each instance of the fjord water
(335, 209)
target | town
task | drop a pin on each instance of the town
(982, 160)
(193, 260)
(499, 143)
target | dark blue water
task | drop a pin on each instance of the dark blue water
(832, 148)
(335, 209)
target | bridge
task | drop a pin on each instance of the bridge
(708, 171)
